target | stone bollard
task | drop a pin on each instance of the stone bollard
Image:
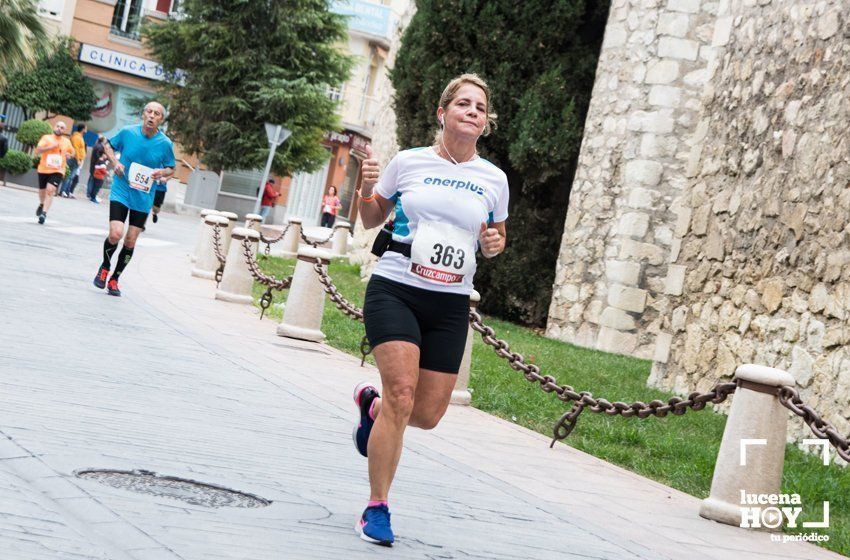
(202, 232)
(253, 221)
(293, 238)
(340, 239)
(461, 394)
(302, 316)
(756, 414)
(231, 224)
(237, 281)
(207, 263)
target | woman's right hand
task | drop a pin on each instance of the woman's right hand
(370, 172)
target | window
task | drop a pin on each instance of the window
(51, 8)
(167, 6)
(335, 94)
(127, 18)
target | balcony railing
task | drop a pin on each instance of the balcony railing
(358, 109)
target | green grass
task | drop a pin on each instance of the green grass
(342, 332)
(678, 451)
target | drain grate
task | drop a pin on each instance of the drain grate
(190, 491)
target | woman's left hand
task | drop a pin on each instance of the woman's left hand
(492, 242)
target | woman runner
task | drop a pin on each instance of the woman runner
(448, 203)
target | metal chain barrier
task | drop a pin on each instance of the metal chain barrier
(267, 280)
(316, 243)
(269, 242)
(789, 397)
(221, 258)
(343, 305)
(567, 423)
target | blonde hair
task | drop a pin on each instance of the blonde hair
(450, 93)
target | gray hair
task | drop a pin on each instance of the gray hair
(161, 106)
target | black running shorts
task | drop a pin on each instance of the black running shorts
(54, 179)
(118, 213)
(158, 198)
(437, 322)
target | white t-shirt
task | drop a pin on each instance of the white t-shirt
(428, 188)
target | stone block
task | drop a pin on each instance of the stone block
(592, 312)
(686, 6)
(633, 224)
(638, 251)
(642, 173)
(618, 342)
(640, 198)
(683, 221)
(699, 223)
(568, 292)
(674, 282)
(665, 96)
(663, 341)
(771, 296)
(722, 31)
(657, 122)
(663, 235)
(683, 49)
(662, 71)
(675, 248)
(616, 319)
(714, 245)
(828, 24)
(801, 366)
(818, 298)
(627, 298)
(615, 36)
(680, 315)
(673, 24)
(622, 272)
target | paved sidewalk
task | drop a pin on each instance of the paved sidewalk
(169, 380)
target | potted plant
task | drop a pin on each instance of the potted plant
(14, 163)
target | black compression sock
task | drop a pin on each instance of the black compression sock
(123, 260)
(108, 251)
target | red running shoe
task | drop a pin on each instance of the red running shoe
(100, 279)
(112, 287)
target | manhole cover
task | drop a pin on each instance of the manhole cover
(190, 491)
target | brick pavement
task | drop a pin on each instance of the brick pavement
(169, 380)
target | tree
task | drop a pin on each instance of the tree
(21, 36)
(31, 131)
(56, 84)
(246, 63)
(539, 59)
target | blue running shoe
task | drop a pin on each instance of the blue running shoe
(374, 526)
(364, 394)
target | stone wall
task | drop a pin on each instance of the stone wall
(765, 229)
(614, 273)
(384, 143)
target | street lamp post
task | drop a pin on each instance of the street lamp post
(277, 135)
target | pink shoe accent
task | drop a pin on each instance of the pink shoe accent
(376, 503)
(372, 408)
(358, 391)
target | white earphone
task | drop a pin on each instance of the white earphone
(442, 121)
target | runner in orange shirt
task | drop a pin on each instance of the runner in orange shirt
(53, 149)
